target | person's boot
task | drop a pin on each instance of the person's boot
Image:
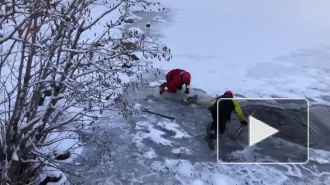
(210, 139)
(211, 144)
(163, 85)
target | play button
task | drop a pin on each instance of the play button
(277, 133)
(259, 131)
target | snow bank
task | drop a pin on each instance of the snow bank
(64, 141)
(53, 172)
(115, 33)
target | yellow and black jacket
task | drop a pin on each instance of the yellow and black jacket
(226, 107)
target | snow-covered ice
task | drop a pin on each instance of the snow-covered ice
(158, 18)
(136, 30)
(149, 143)
(115, 33)
(181, 150)
(156, 83)
(254, 48)
(151, 133)
(171, 126)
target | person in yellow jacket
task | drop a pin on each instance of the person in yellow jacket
(226, 107)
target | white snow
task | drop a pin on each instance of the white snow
(115, 33)
(214, 173)
(123, 77)
(322, 161)
(158, 18)
(134, 17)
(135, 29)
(64, 141)
(219, 179)
(137, 106)
(171, 126)
(150, 154)
(181, 150)
(155, 83)
(197, 182)
(139, 54)
(14, 156)
(322, 157)
(254, 48)
(53, 172)
(147, 131)
(153, 7)
(150, 101)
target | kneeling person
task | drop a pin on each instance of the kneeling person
(176, 78)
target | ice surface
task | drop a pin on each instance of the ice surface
(181, 150)
(154, 84)
(251, 47)
(150, 145)
(173, 127)
(153, 134)
(249, 52)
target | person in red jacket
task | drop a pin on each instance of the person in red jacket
(176, 78)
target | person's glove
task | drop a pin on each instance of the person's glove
(244, 122)
(187, 91)
(161, 91)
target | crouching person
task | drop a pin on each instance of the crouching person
(226, 107)
(176, 78)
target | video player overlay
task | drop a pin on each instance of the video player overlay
(277, 132)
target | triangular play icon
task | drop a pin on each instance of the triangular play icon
(259, 131)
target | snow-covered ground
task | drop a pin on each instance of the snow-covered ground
(254, 48)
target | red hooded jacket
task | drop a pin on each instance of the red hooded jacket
(176, 78)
